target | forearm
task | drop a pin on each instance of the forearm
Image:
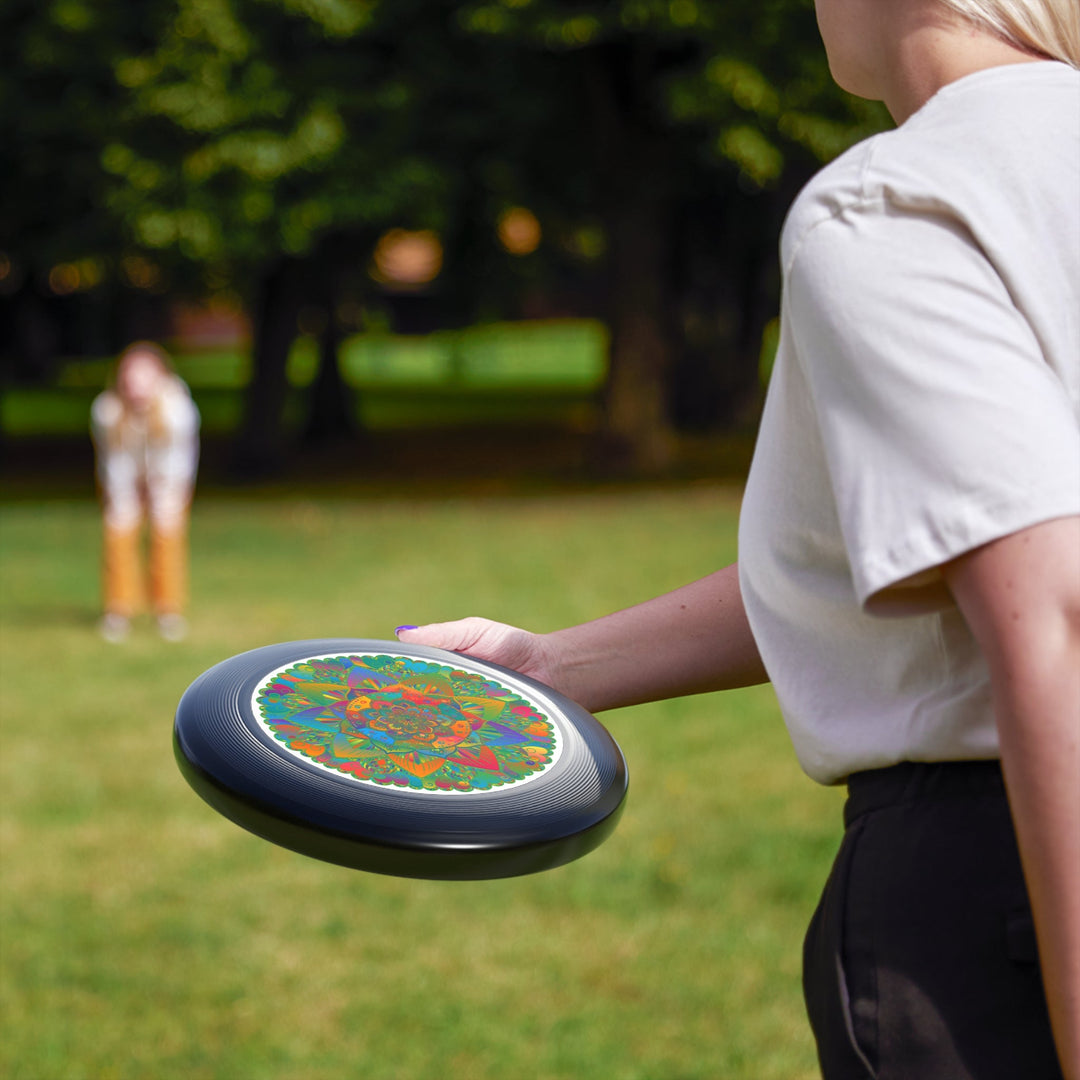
(1021, 598)
(1039, 727)
(689, 641)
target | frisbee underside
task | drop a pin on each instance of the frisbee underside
(398, 759)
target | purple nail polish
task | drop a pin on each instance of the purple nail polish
(398, 629)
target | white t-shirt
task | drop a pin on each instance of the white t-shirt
(146, 462)
(925, 400)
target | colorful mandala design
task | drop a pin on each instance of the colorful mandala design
(396, 721)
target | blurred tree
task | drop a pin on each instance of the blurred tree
(268, 132)
(59, 106)
(261, 147)
(296, 133)
(693, 124)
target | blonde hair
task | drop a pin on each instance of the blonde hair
(1048, 27)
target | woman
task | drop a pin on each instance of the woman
(909, 574)
(145, 430)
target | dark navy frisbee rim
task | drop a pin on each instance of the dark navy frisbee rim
(240, 770)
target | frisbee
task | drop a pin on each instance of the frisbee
(400, 759)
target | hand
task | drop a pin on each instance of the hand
(690, 641)
(496, 642)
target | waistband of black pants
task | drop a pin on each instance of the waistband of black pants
(911, 782)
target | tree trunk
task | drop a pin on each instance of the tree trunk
(634, 193)
(636, 419)
(331, 416)
(260, 448)
(35, 337)
(727, 286)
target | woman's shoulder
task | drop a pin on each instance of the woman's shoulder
(175, 388)
(177, 407)
(996, 142)
(831, 192)
(107, 410)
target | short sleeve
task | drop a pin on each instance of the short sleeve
(944, 426)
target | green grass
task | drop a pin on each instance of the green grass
(144, 936)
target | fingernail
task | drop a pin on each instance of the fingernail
(398, 629)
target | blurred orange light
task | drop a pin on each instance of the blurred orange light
(140, 272)
(64, 279)
(5, 266)
(407, 259)
(519, 231)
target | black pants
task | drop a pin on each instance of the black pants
(920, 961)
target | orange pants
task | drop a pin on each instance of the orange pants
(124, 584)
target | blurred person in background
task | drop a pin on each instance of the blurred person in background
(909, 549)
(146, 437)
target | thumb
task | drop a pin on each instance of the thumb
(496, 642)
(456, 636)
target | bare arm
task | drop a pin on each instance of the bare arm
(689, 641)
(1021, 598)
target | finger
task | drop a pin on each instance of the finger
(454, 636)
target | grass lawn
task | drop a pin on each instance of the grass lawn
(143, 936)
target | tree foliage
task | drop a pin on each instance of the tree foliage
(264, 145)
